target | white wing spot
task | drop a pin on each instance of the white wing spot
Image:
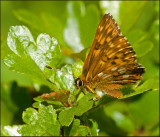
(100, 74)
(113, 69)
(111, 45)
(125, 76)
(125, 80)
(101, 28)
(107, 75)
(120, 49)
(121, 70)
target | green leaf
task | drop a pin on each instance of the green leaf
(41, 123)
(123, 122)
(140, 18)
(118, 112)
(154, 36)
(71, 31)
(36, 104)
(53, 26)
(139, 41)
(81, 55)
(30, 116)
(43, 22)
(64, 78)
(7, 76)
(145, 111)
(94, 128)
(88, 24)
(73, 129)
(146, 17)
(39, 99)
(4, 48)
(9, 130)
(28, 18)
(83, 130)
(77, 68)
(84, 104)
(150, 84)
(66, 116)
(81, 25)
(145, 46)
(34, 56)
(77, 23)
(135, 36)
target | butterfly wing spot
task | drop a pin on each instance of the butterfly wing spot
(125, 76)
(111, 45)
(100, 28)
(106, 76)
(125, 38)
(100, 74)
(122, 70)
(125, 80)
(113, 69)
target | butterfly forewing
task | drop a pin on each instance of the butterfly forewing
(106, 31)
(111, 62)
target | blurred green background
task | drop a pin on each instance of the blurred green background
(74, 24)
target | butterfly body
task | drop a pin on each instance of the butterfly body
(111, 62)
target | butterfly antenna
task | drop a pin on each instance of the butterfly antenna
(59, 70)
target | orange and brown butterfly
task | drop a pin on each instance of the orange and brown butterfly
(111, 62)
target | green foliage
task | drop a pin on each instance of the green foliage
(61, 39)
(31, 57)
(41, 123)
(9, 131)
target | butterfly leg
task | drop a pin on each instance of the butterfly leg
(90, 89)
(97, 96)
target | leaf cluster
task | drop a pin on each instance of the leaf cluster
(60, 39)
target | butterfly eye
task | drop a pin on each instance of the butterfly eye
(79, 82)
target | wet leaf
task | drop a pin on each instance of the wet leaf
(10, 131)
(40, 123)
(31, 57)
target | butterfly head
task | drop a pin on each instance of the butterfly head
(79, 82)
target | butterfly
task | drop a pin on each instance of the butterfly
(111, 62)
